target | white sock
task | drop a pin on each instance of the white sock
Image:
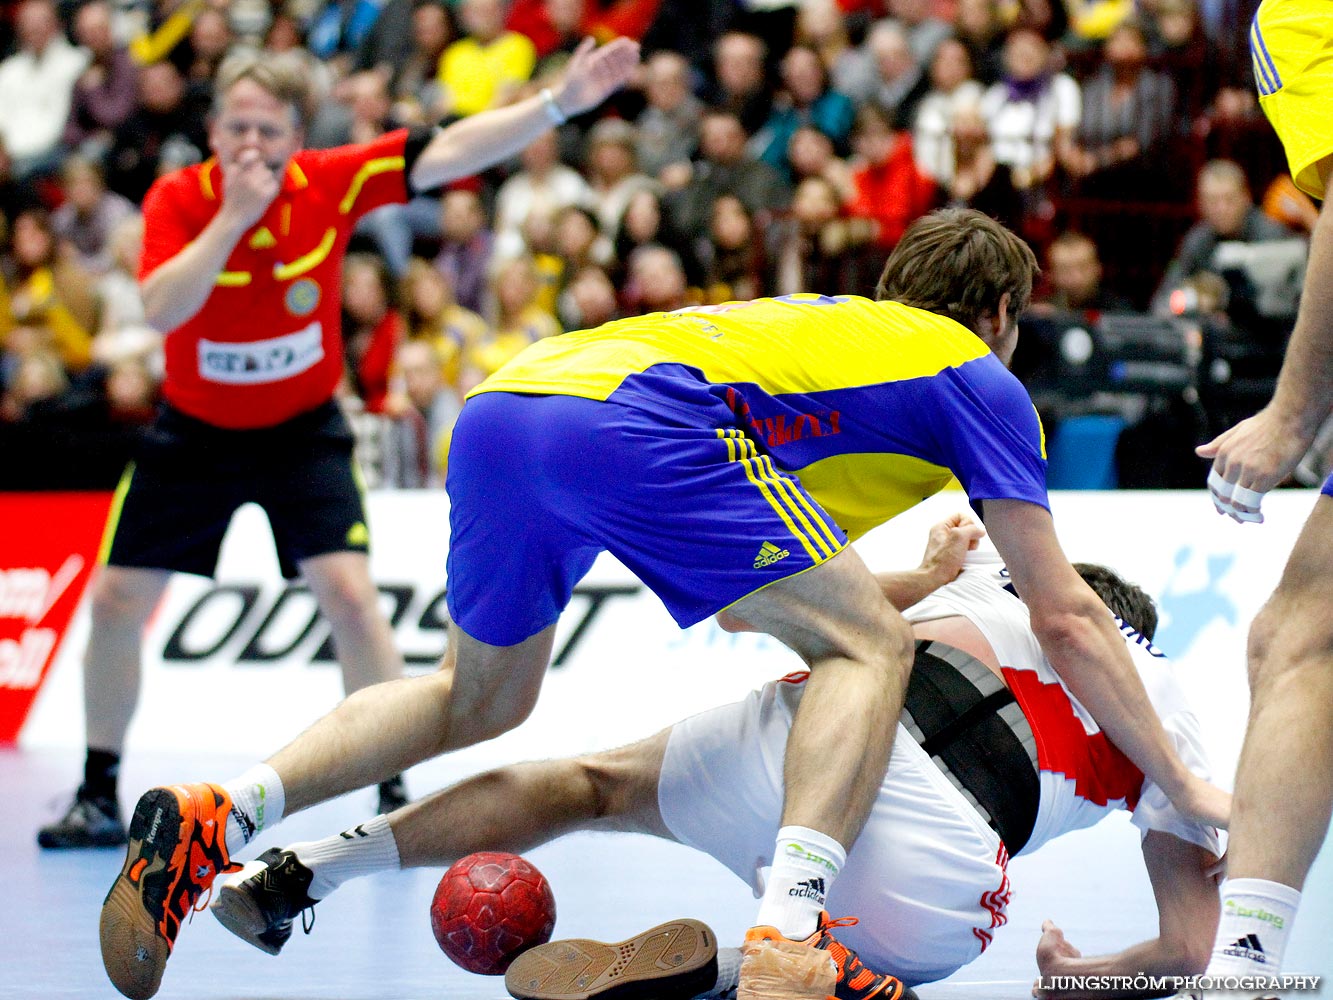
(728, 973)
(362, 850)
(805, 863)
(1252, 934)
(257, 802)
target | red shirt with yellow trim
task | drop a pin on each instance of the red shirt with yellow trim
(267, 344)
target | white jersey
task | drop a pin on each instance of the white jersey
(927, 876)
(1083, 775)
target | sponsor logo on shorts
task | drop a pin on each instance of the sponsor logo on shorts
(1248, 948)
(811, 888)
(769, 554)
(262, 361)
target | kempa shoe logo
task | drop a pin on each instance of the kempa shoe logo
(1233, 909)
(809, 889)
(1247, 947)
(769, 554)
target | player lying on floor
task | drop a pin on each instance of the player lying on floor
(992, 758)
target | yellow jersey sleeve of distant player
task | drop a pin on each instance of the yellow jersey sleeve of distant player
(1291, 45)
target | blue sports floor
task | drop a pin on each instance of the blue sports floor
(372, 940)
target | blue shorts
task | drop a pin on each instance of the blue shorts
(539, 485)
(1328, 486)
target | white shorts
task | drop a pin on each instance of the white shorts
(926, 877)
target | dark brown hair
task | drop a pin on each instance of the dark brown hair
(1129, 602)
(958, 262)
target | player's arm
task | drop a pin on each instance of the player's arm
(1187, 913)
(1080, 638)
(1261, 451)
(482, 140)
(177, 289)
(946, 548)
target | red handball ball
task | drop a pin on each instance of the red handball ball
(489, 908)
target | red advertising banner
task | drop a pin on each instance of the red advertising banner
(48, 549)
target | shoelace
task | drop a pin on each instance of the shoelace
(850, 967)
(202, 902)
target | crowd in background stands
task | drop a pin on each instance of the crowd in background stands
(769, 147)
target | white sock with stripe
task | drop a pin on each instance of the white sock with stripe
(257, 802)
(365, 849)
(805, 863)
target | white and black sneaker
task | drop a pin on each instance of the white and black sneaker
(393, 794)
(259, 902)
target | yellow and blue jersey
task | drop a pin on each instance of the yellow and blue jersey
(874, 405)
(1291, 47)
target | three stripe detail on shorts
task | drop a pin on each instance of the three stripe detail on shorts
(803, 519)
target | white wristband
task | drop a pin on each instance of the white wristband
(553, 111)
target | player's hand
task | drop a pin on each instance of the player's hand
(1249, 460)
(1053, 950)
(947, 546)
(594, 74)
(1204, 802)
(249, 186)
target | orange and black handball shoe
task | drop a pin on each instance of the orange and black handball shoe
(177, 847)
(855, 981)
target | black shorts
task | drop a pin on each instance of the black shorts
(176, 499)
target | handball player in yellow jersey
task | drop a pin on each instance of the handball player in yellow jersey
(726, 455)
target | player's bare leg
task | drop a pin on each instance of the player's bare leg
(517, 807)
(123, 598)
(859, 649)
(479, 692)
(362, 637)
(1278, 824)
(510, 809)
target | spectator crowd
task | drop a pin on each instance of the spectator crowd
(766, 147)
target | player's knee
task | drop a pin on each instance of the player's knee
(349, 602)
(485, 712)
(887, 647)
(1283, 640)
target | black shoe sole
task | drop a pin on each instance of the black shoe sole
(673, 961)
(133, 951)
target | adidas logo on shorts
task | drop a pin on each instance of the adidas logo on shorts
(769, 554)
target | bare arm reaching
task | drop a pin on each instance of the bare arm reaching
(487, 138)
(1187, 908)
(1261, 451)
(946, 547)
(1080, 639)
